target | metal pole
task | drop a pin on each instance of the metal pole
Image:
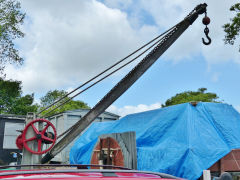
(123, 85)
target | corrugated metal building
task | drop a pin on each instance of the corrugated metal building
(65, 120)
(9, 124)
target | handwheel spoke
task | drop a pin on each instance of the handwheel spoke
(47, 139)
(44, 130)
(35, 129)
(30, 139)
(39, 145)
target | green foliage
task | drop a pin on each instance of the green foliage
(189, 96)
(53, 96)
(10, 19)
(232, 29)
(24, 104)
(12, 101)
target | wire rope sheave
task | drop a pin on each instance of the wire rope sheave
(47, 135)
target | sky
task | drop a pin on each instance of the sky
(68, 42)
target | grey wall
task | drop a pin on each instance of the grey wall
(5, 153)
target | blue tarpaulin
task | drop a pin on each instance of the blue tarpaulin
(180, 140)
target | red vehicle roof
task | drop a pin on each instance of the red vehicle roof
(82, 174)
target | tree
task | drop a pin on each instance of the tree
(24, 104)
(53, 96)
(12, 101)
(11, 18)
(189, 96)
(232, 29)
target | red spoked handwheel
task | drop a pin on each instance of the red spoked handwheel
(19, 142)
(40, 136)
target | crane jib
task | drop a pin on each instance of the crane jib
(126, 82)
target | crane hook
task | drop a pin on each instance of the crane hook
(206, 31)
(206, 21)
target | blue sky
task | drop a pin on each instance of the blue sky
(67, 43)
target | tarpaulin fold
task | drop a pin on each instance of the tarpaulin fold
(181, 140)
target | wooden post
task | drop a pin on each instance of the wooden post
(206, 175)
(221, 166)
(28, 157)
(120, 149)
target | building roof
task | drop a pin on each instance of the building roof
(86, 110)
(12, 116)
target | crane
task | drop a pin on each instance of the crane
(124, 84)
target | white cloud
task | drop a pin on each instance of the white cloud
(190, 44)
(119, 4)
(67, 43)
(237, 108)
(215, 77)
(70, 89)
(171, 12)
(132, 109)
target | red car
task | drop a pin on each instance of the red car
(77, 172)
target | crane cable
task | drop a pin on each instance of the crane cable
(162, 39)
(98, 82)
(109, 68)
(103, 78)
(157, 42)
